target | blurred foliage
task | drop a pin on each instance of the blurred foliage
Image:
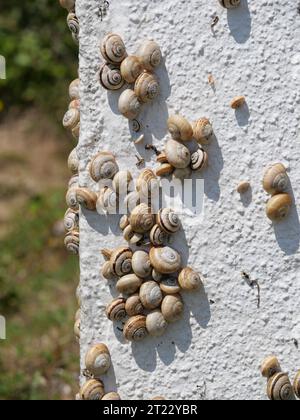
(39, 359)
(41, 57)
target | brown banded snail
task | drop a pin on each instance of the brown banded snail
(280, 388)
(73, 23)
(71, 220)
(97, 360)
(106, 271)
(142, 218)
(103, 166)
(164, 169)
(132, 237)
(72, 242)
(296, 384)
(133, 305)
(135, 328)
(107, 201)
(86, 198)
(115, 310)
(110, 77)
(158, 236)
(73, 162)
(188, 279)
(146, 87)
(92, 390)
(199, 160)
(122, 182)
(203, 131)
(179, 128)
(275, 179)
(120, 260)
(113, 49)
(147, 183)
(168, 220)
(71, 118)
(74, 90)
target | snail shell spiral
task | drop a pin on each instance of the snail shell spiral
(230, 4)
(280, 388)
(72, 242)
(110, 77)
(131, 68)
(120, 260)
(275, 179)
(142, 218)
(73, 23)
(150, 55)
(92, 390)
(172, 308)
(135, 328)
(150, 295)
(165, 260)
(115, 311)
(189, 279)
(71, 220)
(203, 131)
(146, 87)
(113, 49)
(97, 360)
(103, 166)
(134, 305)
(199, 160)
(180, 128)
(129, 104)
(73, 162)
(168, 220)
(157, 236)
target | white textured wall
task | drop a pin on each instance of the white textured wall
(214, 352)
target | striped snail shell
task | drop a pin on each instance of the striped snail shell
(297, 384)
(71, 220)
(73, 162)
(73, 23)
(122, 182)
(150, 55)
(150, 295)
(156, 324)
(178, 154)
(113, 49)
(164, 169)
(135, 328)
(103, 166)
(107, 201)
(203, 131)
(188, 279)
(110, 77)
(199, 160)
(71, 118)
(133, 238)
(128, 284)
(162, 158)
(134, 305)
(86, 198)
(170, 286)
(168, 220)
(92, 390)
(146, 87)
(279, 206)
(141, 265)
(74, 89)
(68, 4)
(142, 218)
(157, 236)
(71, 198)
(270, 366)
(129, 104)
(120, 260)
(113, 396)
(180, 128)
(115, 310)
(72, 242)
(165, 260)
(147, 183)
(172, 307)
(107, 271)
(131, 68)
(97, 360)
(230, 4)
(275, 179)
(280, 388)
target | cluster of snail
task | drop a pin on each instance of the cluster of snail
(71, 120)
(276, 183)
(279, 387)
(72, 20)
(135, 70)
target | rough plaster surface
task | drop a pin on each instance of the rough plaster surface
(214, 352)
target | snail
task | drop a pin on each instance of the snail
(92, 390)
(120, 260)
(73, 182)
(178, 154)
(156, 276)
(71, 198)
(146, 87)
(107, 200)
(172, 307)
(74, 90)
(135, 328)
(147, 183)
(86, 198)
(131, 68)
(75, 103)
(230, 4)
(238, 102)
(115, 311)
(124, 222)
(129, 104)
(182, 173)
(157, 236)
(270, 366)
(156, 324)
(77, 329)
(162, 158)
(110, 77)
(180, 128)
(142, 218)
(150, 55)
(169, 286)
(68, 4)
(122, 182)
(188, 279)
(168, 220)
(280, 388)
(113, 49)
(141, 265)
(128, 284)
(72, 241)
(275, 179)
(75, 38)
(73, 162)
(71, 220)
(107, 271)
(97, 360)
(296, 384)
(76, 131)
(78, 314)
(73, 23)
(113, 396)
(103, 166)
(132, 200)
(150, 295)
(132, 237)
(199, 160)
(278, 207)
(164, 169)
(133, 305)
(243, 187)
(71, 118)
(165, 260)
(203, 131)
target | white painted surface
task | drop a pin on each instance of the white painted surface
(214, 352)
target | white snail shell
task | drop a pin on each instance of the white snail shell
(122, 182)
(110, 77)
(97, 360)
(71, 198)
(131, 68)
(71, 220)
(146, 87)
(73, 162)
(280, 388)
(103, 166)
(165, 260)
(142, 218)
(129, 104)
(68, 4)
(131, 236)
(86, 198)
(150, 295)
(72, 242)
(179, 128)
(128, 284)
(150, 55)
(73, 23)
(279, 206)
(203, 131)
(113, 49)
(113, 396)
(157, 236)
(120, 260)
(107, 271)
(107, 201)
(297, 384)
(115, 311)
(135, 328)
(71, 118)
(74, 89)
(172, 308)
(170, 286)
(147, 183)
(275, 179)
(188, 279)
(178, 154)
(156, 324)
(270, 366)
(92, 390)
(141, 264)
(230, 4)
(199, 160)
(168, 220)
(134, 305)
